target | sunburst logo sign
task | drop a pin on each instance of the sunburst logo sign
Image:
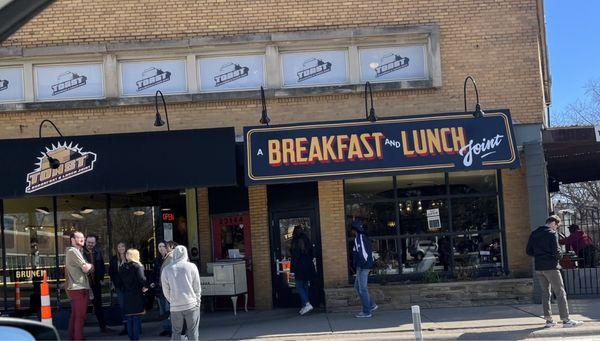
(73, 161)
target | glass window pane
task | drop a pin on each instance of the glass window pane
(133, 221)
(482, 181)
(425, 254)
(475, 214)
(423, 216)
(87, 214)
(30, 249)
(369, 189)
(420, 185)
(385, 257)
(477, 254)
(379, 218)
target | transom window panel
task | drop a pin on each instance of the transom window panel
(231, 73)
(146, 77)
(11, 84)
(314, 68)
(69, 81)
(393, 63)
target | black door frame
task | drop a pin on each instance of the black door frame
(317, 290)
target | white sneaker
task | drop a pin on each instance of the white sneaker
(572, 323)
(550, 324)
(308, 307)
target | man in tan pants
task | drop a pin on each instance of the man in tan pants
(543, 246)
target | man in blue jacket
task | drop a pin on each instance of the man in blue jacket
(362, 255)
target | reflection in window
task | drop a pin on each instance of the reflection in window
(30, 249)
(366, 189)
(379, 218)
(473, 182)
(132, 218)
(385, 257)
(422, 254)
(475, 214)
(423, 216)
(476, 252)
(421, 185)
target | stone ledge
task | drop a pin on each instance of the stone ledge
(435, 295)
(216, 96)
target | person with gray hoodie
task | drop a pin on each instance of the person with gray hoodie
(181, 287)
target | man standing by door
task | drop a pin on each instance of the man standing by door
(181, 287)
(362, 255)
(543, 246)
(96, 277)
(78, 287)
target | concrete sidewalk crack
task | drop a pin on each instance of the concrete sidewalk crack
(236, 331)
(525, 311)
(329, 323)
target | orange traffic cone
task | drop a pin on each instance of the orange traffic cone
(46, 309)
(17, 295)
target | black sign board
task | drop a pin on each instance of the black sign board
(117, 162)
(432, 143)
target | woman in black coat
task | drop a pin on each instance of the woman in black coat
(133, 279)
(302, 266)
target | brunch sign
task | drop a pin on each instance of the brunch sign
(443, 142)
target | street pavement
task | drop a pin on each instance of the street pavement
(508, 322)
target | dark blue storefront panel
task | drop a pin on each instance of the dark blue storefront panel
(433, 143)
(118, 162)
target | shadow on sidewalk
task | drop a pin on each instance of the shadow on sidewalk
(521, 334)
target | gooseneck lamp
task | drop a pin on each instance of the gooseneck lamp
(369, 114)
(264, 117)
(478, 113)
(54, 163)
(158, 122)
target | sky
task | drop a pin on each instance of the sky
(573, 38)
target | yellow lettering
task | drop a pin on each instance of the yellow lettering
(341, 146)
(378, 137)
(364, 138)
(274, 152)
(407, 151)
(433, 141)
(300, 149)
(287, 149)
(354, 150)
(315, 150)
(328, 148)
(444, 132)
(458, 138)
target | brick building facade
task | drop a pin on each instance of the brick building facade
(501, 44)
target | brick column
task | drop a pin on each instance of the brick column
(261, 255)
(516, 218)
(333, 233)
(204, 228)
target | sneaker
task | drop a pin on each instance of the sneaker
(373, 308)
(550, 324)
(308, 307)
(363, 315)
(572, 323)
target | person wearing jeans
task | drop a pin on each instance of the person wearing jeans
(181, 286)
(78, 287)
(362, 255)
(543, 246)
(134, 280)
(302, 266)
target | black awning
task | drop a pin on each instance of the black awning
(117, 162)
(572, 154)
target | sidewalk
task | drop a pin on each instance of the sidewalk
(516, 322)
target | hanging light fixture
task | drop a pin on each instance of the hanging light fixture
(86, 210)
(478, 113)
(76, 215)
(158, 122)
(370, 114)
(264, 117)
(54, 163)
(139, 213)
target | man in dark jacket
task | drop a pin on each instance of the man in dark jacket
(362, 256)
(163, 304)
(543, 246)
(96, 277)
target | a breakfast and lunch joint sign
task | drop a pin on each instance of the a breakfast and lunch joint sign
(424, 143)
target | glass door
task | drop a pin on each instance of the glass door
(284, 286)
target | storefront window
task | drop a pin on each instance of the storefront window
(30, 250)
(441, 222)
(379, 217)
(478, 253)
(475, 214)
(369, 189)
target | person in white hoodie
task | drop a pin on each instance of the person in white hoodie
(181, 286)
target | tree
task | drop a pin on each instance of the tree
(583, 112)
